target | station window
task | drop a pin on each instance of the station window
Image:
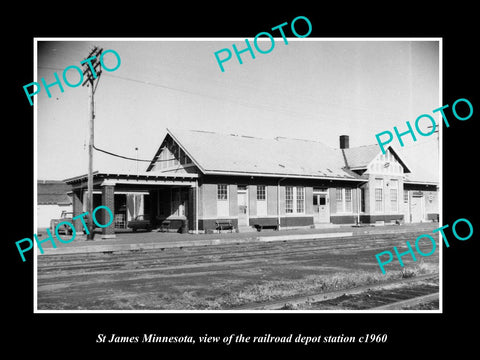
(344, 200)
(379, 195)
(378, 199)
(300, 200)
(222, 192)
(348, 200)
(294, 195)
(261, 194)
(393, 200)
(394, 195)
(289, 199)
(339, 198)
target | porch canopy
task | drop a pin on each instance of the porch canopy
(160, 196)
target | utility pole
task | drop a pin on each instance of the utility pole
(92, 78)
(136, 151)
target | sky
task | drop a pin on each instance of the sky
(310, 88)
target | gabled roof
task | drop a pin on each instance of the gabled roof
(230, 154)
(359, 157)
(53, 192)
(215, 153)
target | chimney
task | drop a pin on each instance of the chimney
(344, 141)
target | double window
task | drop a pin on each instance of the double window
(344, 200)
(294, 199)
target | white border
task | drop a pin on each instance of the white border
(285, 312)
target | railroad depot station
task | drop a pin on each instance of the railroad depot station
(199, 179)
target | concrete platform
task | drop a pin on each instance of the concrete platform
(156, 240)
(100, 246)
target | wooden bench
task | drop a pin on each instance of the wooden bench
(260, 224)
(165, 226)
(260, 227)
(223, 224)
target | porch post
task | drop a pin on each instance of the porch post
(192, 208)
(108, 200)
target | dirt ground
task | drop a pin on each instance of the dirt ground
(219, 277)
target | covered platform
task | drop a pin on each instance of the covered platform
(163, 198)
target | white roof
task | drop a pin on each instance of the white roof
(216, 153)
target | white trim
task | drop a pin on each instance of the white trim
(320, 192)
(255, 217)
(298, 215)
(382, 159)
(283, 175)
(368, 214)
(345, 214)
(108, 183)
(130, 176)
(156, 182)
(263, 216)
(218, 217)
(124, 192)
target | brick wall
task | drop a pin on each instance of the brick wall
(108, 200)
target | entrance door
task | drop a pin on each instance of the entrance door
(242, 195)
(417, 208)
(321, 209)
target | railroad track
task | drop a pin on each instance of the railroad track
(214, 276)
(203, 255)
(391, 295)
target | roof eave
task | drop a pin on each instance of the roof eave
(296, 176)
(419, 182)
(110, 174)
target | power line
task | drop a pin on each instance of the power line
(130, 158)
(264, 107)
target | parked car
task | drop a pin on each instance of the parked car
(140, 222)
(65, 216)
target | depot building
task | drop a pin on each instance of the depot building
(198, 179)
